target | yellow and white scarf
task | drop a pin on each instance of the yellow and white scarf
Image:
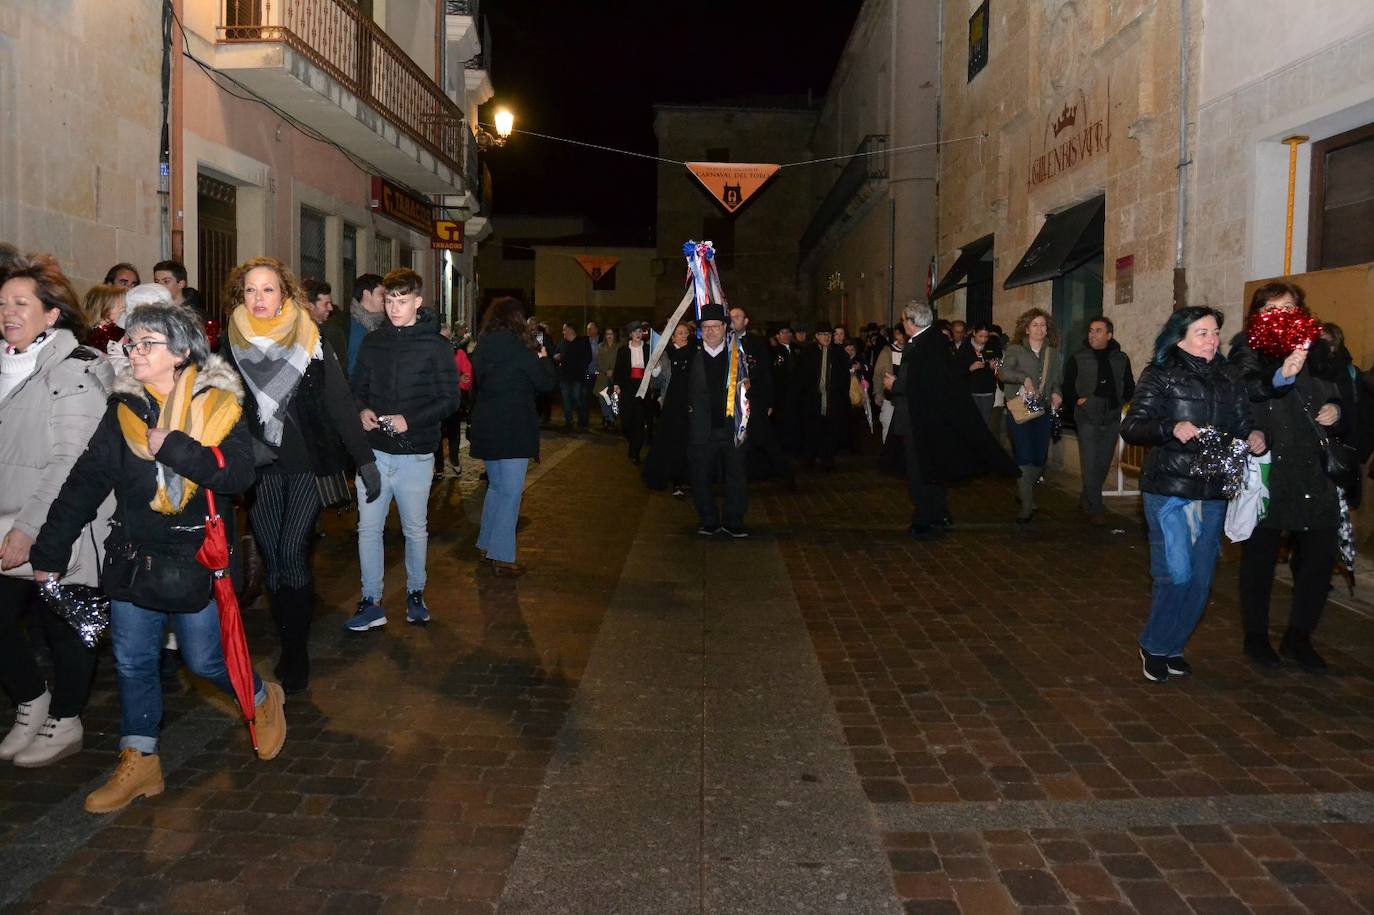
(272, 356)
(206, 416)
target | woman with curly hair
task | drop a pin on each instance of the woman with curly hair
(304, 421)
(1031, 366)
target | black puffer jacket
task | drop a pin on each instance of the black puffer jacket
(108, 465)
(407, 371)
(1301, 495)
(1184, 388)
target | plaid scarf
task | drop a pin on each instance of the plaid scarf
(206, 416)
(272, 355)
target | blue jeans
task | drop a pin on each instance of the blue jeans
(574, 400)
(1179, 597)
(405, 478)
(1030, 442)
(505, 488)
(137, 635)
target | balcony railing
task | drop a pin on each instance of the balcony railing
(868, 165)
(342, 40)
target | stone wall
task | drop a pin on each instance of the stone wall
(79, 127)
(764, 274)
(1116, 63)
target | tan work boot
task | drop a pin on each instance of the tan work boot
(135, 776)
(271, 722)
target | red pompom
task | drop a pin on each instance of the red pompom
(1277, 333)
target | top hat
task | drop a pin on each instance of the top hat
(822, 327)
(713, 311)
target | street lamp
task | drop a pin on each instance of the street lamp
(505, 124)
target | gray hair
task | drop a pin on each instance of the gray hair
(179, 324)
(918, 313)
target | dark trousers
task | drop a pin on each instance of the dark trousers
(1096, 446)
(574, 400)
(632, 421)
(821, 435)
(763, 437)
(1316, 555)
(702, 461)
(452, 432)
(285, 507)
(929, 501)
(73, 663)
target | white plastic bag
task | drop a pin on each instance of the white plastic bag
(1245, 510)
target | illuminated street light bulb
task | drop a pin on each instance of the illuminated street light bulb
(505, 122)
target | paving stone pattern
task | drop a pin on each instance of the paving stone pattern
(870, 724)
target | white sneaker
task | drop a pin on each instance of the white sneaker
(27, 721)
(57, 738)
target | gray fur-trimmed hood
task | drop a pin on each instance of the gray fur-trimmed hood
(216, 373)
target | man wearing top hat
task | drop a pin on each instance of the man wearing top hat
(711, 434)
(823, 382)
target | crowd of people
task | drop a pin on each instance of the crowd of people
(121, 417)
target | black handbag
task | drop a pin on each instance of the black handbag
(161, 576)
(334, 490)
(1339, 460)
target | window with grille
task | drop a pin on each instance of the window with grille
(350, 255)
(381, 256)
(312, 245)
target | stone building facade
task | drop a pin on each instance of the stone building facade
(1064, 113)
(869, 243)
(759, 240)
(79, 153)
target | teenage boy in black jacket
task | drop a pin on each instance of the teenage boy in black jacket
(405, 384)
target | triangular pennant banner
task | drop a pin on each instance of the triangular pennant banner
(596, 267)
(732, 183)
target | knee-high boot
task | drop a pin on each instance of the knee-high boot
(1025, 488)
(293, 609)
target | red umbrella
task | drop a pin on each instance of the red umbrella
(214, 555)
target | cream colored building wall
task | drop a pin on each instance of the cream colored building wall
(1315, 78)
(79, 125)
(1041, 53)
(885, 83)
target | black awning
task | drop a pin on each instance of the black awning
(958, 275)
(1068, 239)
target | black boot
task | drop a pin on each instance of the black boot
(292, 610)
(1258, 649)
(1297, 646)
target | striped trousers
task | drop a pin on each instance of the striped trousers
(285, 507)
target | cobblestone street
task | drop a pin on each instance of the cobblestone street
(829, 717)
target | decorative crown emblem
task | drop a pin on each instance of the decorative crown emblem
(1065, 120)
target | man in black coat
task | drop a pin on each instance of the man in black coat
(786, 415)
(573, 358)
(710, 432)
(763, 438)
(823, 378)
(943, 436)
(1097, 381)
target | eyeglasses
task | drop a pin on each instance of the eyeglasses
(142, 347)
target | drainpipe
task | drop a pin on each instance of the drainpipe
(892, 168)
(939, 147)
(176, 129)
(1181, 227)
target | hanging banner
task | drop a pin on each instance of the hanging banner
(732, 183)
(596, 267)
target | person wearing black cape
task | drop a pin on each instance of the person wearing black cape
(666, 465)
(944, 438)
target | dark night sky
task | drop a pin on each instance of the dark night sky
(593, 70)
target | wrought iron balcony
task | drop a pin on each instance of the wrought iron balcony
(858, 183)
(329, 65)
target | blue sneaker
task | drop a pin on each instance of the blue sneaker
(370, 615)
(416, 611)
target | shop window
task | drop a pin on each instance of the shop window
(312, 245)
(1341, 214)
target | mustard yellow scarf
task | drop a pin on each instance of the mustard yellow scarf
(207, 417)
(273, 355)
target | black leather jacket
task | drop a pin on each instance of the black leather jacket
(1184, 388)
